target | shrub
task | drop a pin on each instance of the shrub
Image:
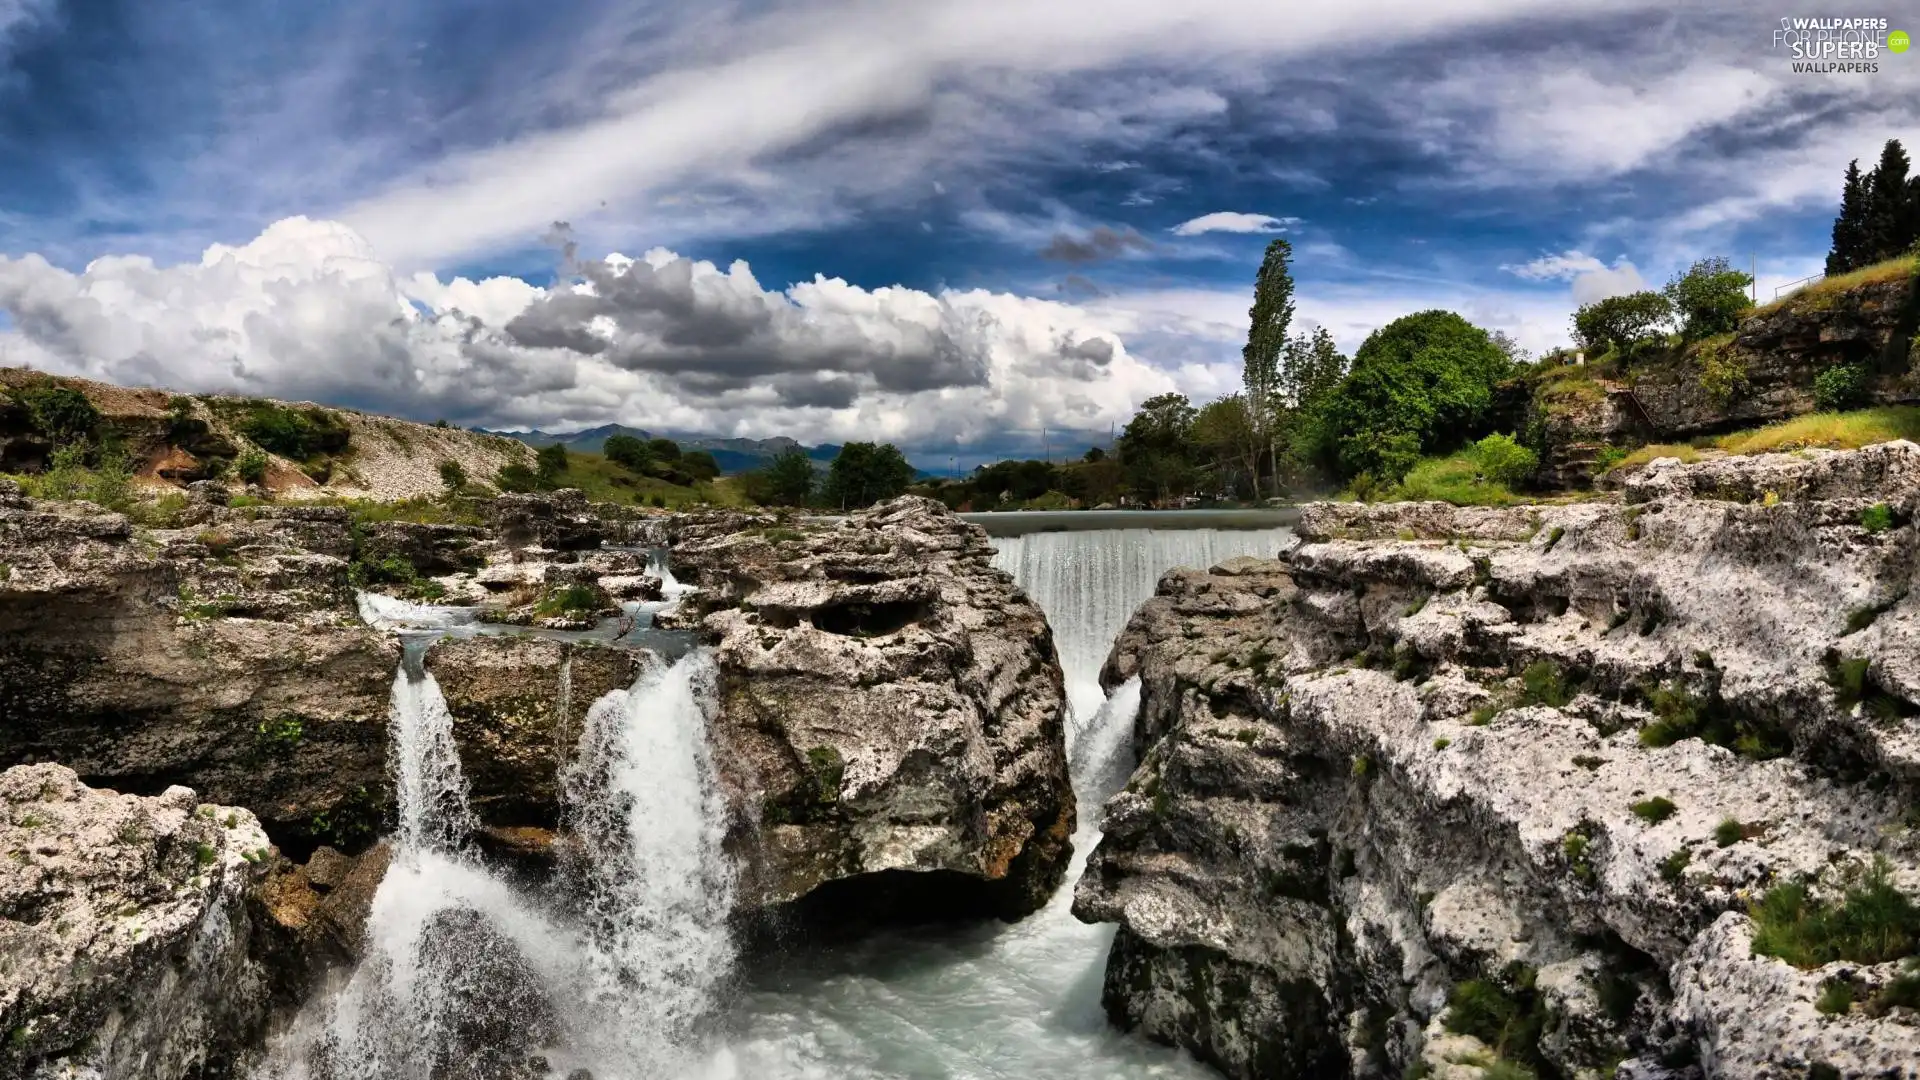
(1722, 373)
(453, 475)
(1621, 323)
(251, 466)
(1709, 298)
(1841, 387)
(61, 413)
(571, 600)
(1674, 866)
(1504, 461)
(1877, 518)
(627, 452)
(293, 433)
(1655, 810)
(518, 478)
(1872, 923)
(1543, 683)
(1729, 832)
(1836, 998)
(551, 461)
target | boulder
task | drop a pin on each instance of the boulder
(126, 930)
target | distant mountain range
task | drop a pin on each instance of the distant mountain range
(733, 455)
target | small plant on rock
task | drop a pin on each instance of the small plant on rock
(1655, 810)
(1877, 518)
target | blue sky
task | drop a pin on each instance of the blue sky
(998, 215)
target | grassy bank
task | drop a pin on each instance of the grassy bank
(1823, 431)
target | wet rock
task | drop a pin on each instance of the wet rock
(126, 930)
(1505, 753)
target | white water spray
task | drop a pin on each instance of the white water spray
(464, 975)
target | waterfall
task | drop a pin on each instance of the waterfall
(648, 819)
(464, 975)
(1089, 583)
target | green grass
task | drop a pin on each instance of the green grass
(571, 600)
(1828, 430)
(1454, 479)
(1655, 810)
(1872, 923)
(1822, 292)
(1674, 866)
(604, 481)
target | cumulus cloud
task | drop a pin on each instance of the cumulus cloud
(1591, 279)
(307, 311)
(1098, 243)
(1229, 221)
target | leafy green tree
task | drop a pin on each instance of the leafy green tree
(1269, 319)
(663, 449)
(628, 452)
(1422, 383)
(1223, 436)
(1621, 323)
(1709, 298)
(1312, 370)
(789, 478)
(550, 462)
(699, 466)
(517, 478)
(1154, 447)
(866, 473)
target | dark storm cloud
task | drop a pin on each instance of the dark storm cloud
(1099, 243)
(715, 333)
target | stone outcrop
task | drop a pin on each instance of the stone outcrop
(126, 931)
(1509, 788)
(225, 656)
(890, 714)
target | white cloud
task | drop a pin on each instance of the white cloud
(306, 311)
(1231, 221)
(1591, 279)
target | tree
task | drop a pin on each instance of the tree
(1890, 217)
(1312, 370)
(663, 450)
(1850, 227)
(1621, 323)
(1223, 434)
(550, 461)
(699, 466)
(789, 478)
(627, 452)
(61, 413)
(1422, 383)
(1155, 445)
(866, 473)
(1709, 298)
(453, 475)
(1269, 319)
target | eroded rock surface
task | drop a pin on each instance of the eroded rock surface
(125, 931)
(890, 712)
(1542, 760)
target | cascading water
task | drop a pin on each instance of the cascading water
(1001, 1002)
(466, 976)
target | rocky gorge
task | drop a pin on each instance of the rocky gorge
(1422, 791)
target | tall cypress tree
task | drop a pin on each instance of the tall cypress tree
(1849, 229)
(1270, 316)
(1889, 230)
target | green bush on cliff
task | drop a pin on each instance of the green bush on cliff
(1709, 298)
(61, 413)
(1843, 386)
(1621, 324)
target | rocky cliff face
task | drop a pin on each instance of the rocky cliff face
(126, 931)
(890, 715)
(1445, 792)
(225, 656)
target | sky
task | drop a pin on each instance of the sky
(951, 225)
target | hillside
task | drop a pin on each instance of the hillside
(733, 455)
(311, 451)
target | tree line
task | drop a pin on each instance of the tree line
(1879, 215)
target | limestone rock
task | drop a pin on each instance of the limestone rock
(889, 702)
(1507, 751)
(126, 930)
